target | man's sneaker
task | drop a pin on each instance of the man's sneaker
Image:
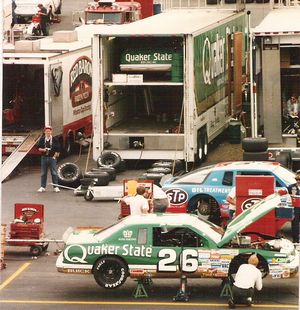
(56, 189)
(249, 301)
(231, 304)
(41, 189)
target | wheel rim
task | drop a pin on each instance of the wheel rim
(203, 209)
(110, 272)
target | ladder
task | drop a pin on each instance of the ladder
(18, 154)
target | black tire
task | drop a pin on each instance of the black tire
(88, 196)
(159, 170)
(259, 156)
(169, 164)
(86, 182)
(110, 170)
(205, 207)
(109, 159)
(156, 177)
(255, 144)
(69, 174)
(101, 178)
(284, 159)
(36, 250)
(110, 272)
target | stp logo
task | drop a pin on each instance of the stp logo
(249, 203)
(177, 196)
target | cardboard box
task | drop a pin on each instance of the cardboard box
(65, 36)
(135, 78)
(27, 46)
(119, 78)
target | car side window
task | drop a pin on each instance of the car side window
(262, 173)
(227, 178)
(176, 237)
(142, 236)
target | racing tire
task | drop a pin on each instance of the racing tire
(259, 156)
(101, 178)
(110, 272)
(86, 182)
(69, 174)
(284, 159)
(155, 177)
(178, 166)
(88, 196)
(255, 144)
(109, 159)
(121, 167)
(36, 250)
(159, 170)
(110, 170)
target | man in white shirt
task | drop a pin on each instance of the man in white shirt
(160, 200)
(138, 203)
(247, 278)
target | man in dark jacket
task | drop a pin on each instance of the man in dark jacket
(294, 190)
(50, 148)
(44, 19)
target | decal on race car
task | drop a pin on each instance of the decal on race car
(249, 203)
(177, 196)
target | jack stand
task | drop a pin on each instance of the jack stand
(140, 290)
(226, 289)
(182, 294)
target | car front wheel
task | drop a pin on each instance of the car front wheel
(110, 272)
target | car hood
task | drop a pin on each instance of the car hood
(249, 216)
(80, 235)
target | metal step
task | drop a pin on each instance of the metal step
(18, 154)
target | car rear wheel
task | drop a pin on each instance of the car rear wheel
(110, 272)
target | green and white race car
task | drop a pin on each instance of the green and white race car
(168, 245)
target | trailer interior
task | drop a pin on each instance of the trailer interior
(143, 108)
(23, 98)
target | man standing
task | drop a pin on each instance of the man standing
(138, 203)
(43, 19)
(294, 190)
(247, 278)
(50, 148)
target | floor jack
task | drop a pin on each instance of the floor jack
(182, 294)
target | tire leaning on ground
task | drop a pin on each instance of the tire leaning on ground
(159, 170)
(255, 144)
(178, 166)
(69, 174)
(110, 170)
(102, 178)
(110, 272)
(109, 159)
(260, 156)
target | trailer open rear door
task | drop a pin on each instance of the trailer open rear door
(19, 153)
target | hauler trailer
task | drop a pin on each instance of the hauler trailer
(276, 77)
(46, 82)
(166, 85)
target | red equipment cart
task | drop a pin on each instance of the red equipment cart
(27, 229)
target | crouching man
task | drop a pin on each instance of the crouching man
(247, 278)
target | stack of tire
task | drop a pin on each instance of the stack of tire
(255, 149)
(160, 169)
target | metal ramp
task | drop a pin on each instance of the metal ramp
(18, 154)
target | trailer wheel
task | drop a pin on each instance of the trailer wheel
(101, 178)
(159, 170)
(255, 144)
(109, 159)
(36, 250)
(110, 170)
(110, 272)
(88, 196)
(69, 174)
(284, 159)
(261, 156)
(205, 207)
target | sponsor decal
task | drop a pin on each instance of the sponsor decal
(248, 203)
(147, 57)
(80, 78)
(215, 255)
(203, 254)
(177, 196)
(76, 270)
(127, 236)
(77, 253)
(214, 190)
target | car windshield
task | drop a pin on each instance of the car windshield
(196, 176)
(286, 175)
(104, 18)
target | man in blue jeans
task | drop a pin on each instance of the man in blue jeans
(50, 148)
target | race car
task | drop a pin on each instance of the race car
(169, 245)
(205, 190)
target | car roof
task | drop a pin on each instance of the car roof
(246, 165)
